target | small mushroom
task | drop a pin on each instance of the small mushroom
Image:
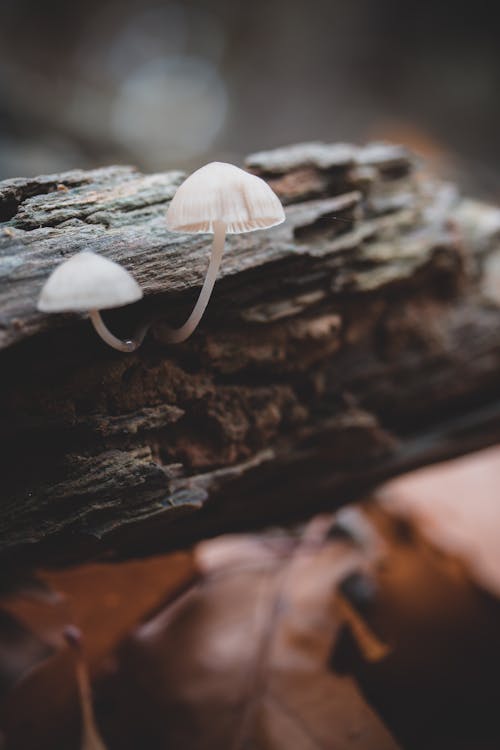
(220, 199)
(88, 283)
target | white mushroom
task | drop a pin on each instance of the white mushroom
(88, 283)
(220, 199)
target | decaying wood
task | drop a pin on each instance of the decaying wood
(338, 349)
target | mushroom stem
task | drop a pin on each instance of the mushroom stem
(176, 335)
(123, 345)
(173, 335)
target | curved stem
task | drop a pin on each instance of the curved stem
(176, 335)
(127, 345)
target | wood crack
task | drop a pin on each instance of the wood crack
(333, 354)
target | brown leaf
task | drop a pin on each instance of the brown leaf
(241, 660)
(20, 651)
(455, 505)
(106, 601)
(369, 644)
(438, 686)
(90, 736)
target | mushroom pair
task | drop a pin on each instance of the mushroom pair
(217, 199)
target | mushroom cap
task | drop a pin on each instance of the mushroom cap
(223, 192)
(88, 282)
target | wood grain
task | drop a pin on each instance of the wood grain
(358, 339)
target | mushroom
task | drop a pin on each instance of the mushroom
(219, 199)
(88, 283)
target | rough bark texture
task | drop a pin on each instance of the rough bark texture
(358, 339)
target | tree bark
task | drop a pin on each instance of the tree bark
(357, 340)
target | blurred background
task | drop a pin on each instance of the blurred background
(163, 84)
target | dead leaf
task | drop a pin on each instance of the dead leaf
(438, 686)
(455, 505)
(20, 651)
(370, 645)
(90, 737)
(241, 660)
(106, 601)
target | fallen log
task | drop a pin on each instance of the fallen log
(355, 341)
